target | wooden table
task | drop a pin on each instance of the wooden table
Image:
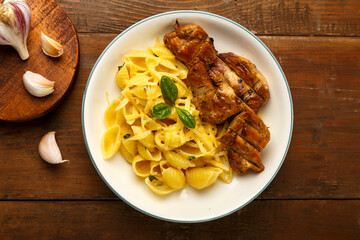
(315, 195)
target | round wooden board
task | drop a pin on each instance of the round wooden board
(16, 104)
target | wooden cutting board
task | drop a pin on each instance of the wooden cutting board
(16, 104)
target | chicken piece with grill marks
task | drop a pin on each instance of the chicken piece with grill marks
(241, 88)
(246, 136)
(242, 156)
(216, 103)
(191, 44)
(250, 127)
(247, 71)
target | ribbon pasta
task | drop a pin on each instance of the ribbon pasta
(164, 152)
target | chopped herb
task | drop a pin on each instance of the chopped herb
(126, 136)
(119, 67)
(159, 184)
(155, 55)
(191, 157)
(151, 178)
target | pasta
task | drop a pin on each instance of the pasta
(165, 153)
(111, 141)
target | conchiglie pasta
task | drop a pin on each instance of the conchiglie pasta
(138, 58)
(154, 155)
(130, 146)
(177, 160)
(155, 168)
(163, 52)
(166, 63)
(164, 152)
(141, 166)
(111, 141)
(126, 154)
(158, 186)
(202, 177)
(174, 178)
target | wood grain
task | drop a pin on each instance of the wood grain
(17, 104)
(322, 161)
(275, 219)
(325, 89)
(315, 195)
(273, 17)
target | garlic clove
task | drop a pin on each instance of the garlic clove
(51, 47)
(49, 150)
(15, 19)
(37, 85)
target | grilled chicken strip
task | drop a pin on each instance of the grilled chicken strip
(241, 88)
(191, 44)
(257, 123)
(216, 103)
(243, 156)
(248, 72)
(246, 136)
(241, 164)
(248, 129)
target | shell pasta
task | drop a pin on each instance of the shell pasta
(165, 153)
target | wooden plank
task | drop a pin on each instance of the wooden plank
(323, 157)
(274, 17)
(280, 219)
(326, 94)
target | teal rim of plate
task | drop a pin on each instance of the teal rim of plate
(180, 12)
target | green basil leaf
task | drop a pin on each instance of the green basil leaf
(168, 89)
(186, 118)
(161, 111)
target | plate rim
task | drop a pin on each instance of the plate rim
(83, 119)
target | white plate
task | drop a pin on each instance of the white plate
(187, 205)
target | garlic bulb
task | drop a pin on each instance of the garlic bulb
(37, 85)
(49, 150)
(51, 47)
(15, 19)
